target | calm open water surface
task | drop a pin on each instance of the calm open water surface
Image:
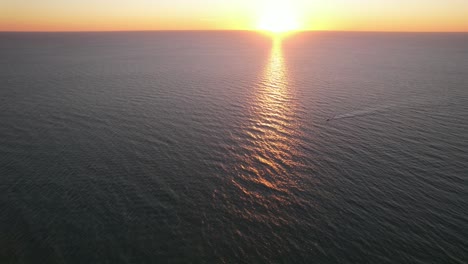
(153, 147)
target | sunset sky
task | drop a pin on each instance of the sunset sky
(355, 15)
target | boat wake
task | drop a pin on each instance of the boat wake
(362, 112)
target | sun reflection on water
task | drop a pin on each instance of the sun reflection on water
(265, 172)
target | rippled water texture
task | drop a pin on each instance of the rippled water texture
(233, 147)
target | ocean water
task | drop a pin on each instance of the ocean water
(233, 147)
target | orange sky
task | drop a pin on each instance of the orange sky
(367, 15)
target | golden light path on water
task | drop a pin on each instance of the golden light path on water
(265, 172)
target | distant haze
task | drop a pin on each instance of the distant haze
(103, 15)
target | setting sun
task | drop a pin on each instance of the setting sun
(278, 18)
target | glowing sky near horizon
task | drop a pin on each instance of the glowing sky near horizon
(368, 15)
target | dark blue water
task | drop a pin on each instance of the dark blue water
(233, 147)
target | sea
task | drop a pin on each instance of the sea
(233, 147)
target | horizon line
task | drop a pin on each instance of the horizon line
(218, 30)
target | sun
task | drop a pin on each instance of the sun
(278, 17)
